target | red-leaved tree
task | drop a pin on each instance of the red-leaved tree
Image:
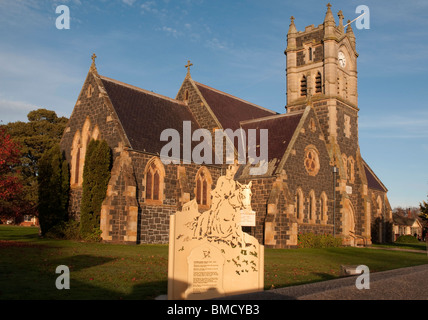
(10, 182)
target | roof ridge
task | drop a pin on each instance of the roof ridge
(142, 90)
(234, 97)
(274, 116)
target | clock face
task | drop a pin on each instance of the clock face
(342, 59)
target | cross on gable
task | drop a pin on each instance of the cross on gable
(188, 65)
(93, 67)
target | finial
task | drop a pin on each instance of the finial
(93, 66)
(292, 28)
(188, 65)
(340, 15)
(329, 15)
(349, 27)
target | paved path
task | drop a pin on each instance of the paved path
(400, 284)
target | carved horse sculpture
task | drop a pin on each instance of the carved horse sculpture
(222, 222)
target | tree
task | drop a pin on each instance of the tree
(424, 215)
(53, 189)
(43, 131)
(96, 175)
(424, 210)
(11, 190)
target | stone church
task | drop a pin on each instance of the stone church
(316, 180)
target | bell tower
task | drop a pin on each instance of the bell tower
(322, 70)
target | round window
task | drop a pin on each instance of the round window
(312, 163)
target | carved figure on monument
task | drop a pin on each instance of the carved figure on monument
(210, 255)
(222, 221)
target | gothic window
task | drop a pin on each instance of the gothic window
(154, 175)
(95, 133)
(89, 91)
(186, 95)
(299, 204)
(347, 129)
(75, 160)
(203, 187)
(77, 167)
(318, 83)
(379, 205)
(345, 165)
(311, 161)
(303, 87)
(323, 208)
(312, 207)
(312, 125)
(350, 169)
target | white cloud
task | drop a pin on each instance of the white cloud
(129, 2)
(11, 111)
(149, 7)
(214, 43)
(171, 31)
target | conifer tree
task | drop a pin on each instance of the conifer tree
(53, 189)
(96, 175)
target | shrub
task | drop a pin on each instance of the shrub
(69, 230)
(311, 240)
(406, 239)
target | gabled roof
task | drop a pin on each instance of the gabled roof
(230, 110)
(280, 128)
(144, 114)
(404, 221)
(373, 181)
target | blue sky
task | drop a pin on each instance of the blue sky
(236, 47)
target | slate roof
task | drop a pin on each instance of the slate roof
(373, 181)
(280, 128)
(230, 110)
(403, 221)
(144, 114)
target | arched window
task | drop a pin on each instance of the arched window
(379, 205)
(75, 159)
(345, 165)
(90, 91)
(203, 187)
(312, 207)
(310, 53)
(303, 87)
(95, 133)
(299, 204)
(350, 169)
(186, 95)
(154, 176)
(318, 83)
(324, 208)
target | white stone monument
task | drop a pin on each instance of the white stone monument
(209, 254)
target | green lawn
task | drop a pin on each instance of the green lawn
(108, 271)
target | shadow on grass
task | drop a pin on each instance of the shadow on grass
(29, 273)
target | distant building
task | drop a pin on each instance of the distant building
(406, 226)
